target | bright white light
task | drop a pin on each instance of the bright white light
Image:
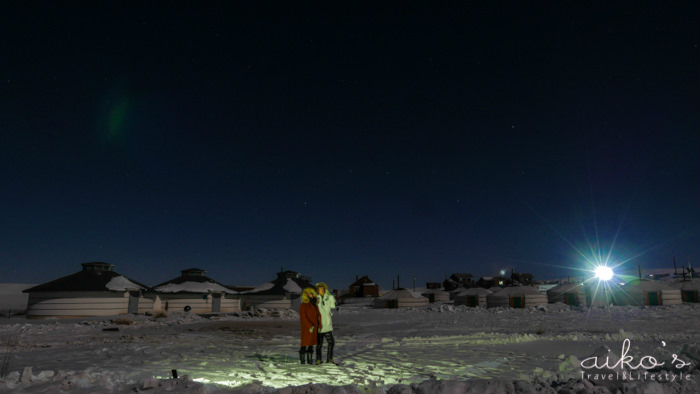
(603, 272)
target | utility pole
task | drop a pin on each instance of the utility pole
(675, 269)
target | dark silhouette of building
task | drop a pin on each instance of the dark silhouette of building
(364, 287)
(458, 280)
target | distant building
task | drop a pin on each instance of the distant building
(573, 294)
(646, 292)
(516, 297)
(488, 282)
(400, 298)
(281, 293)
(689, 289)
(525, 279)
(95, 291)
(436, 295)
(364, 287)
(433, 285)
(451, 285)
(457, 280)
(194, 292)
(472, 297)
(464, 279)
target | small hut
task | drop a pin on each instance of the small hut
(194, 292)
(436, 295)
(400, 298)
(573, 294)
(690, 289)
(646, 292)
(283, 292)
(96, 290)
(363, 287)
(516, 297)
(473, 297)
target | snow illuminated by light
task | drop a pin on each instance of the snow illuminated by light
(442, 347)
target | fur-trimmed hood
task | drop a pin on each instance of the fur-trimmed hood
(305, 294)
(321, 284)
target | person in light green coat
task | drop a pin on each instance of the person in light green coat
(325, 303)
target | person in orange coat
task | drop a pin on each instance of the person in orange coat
(310, 324)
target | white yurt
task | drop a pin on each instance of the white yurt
(573, 294)
(473, 297)
(194, 292)
(436, 295)
(454, 293)
(400, 298)
(598, 293)
(284, 292)
(690, 289)
(516, 297)
(646, 292)
(95, 291)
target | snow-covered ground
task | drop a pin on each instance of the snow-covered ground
(438, 349)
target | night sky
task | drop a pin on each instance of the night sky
(343, 139)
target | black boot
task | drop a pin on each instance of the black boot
(329, 355)
(310, 355)
(319, 348)
(319, 359)
(302, 352)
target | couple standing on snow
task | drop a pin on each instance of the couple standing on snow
(316, 325)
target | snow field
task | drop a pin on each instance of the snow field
(440, 349)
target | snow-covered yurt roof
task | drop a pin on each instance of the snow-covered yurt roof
(434, 291)
(688, 284)
(95, 276)
(476, 291)
(403, 297)
(647, 284)
(285, 283)
(400, 293)
(193, 280)
(516, 290)
(566, 288)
